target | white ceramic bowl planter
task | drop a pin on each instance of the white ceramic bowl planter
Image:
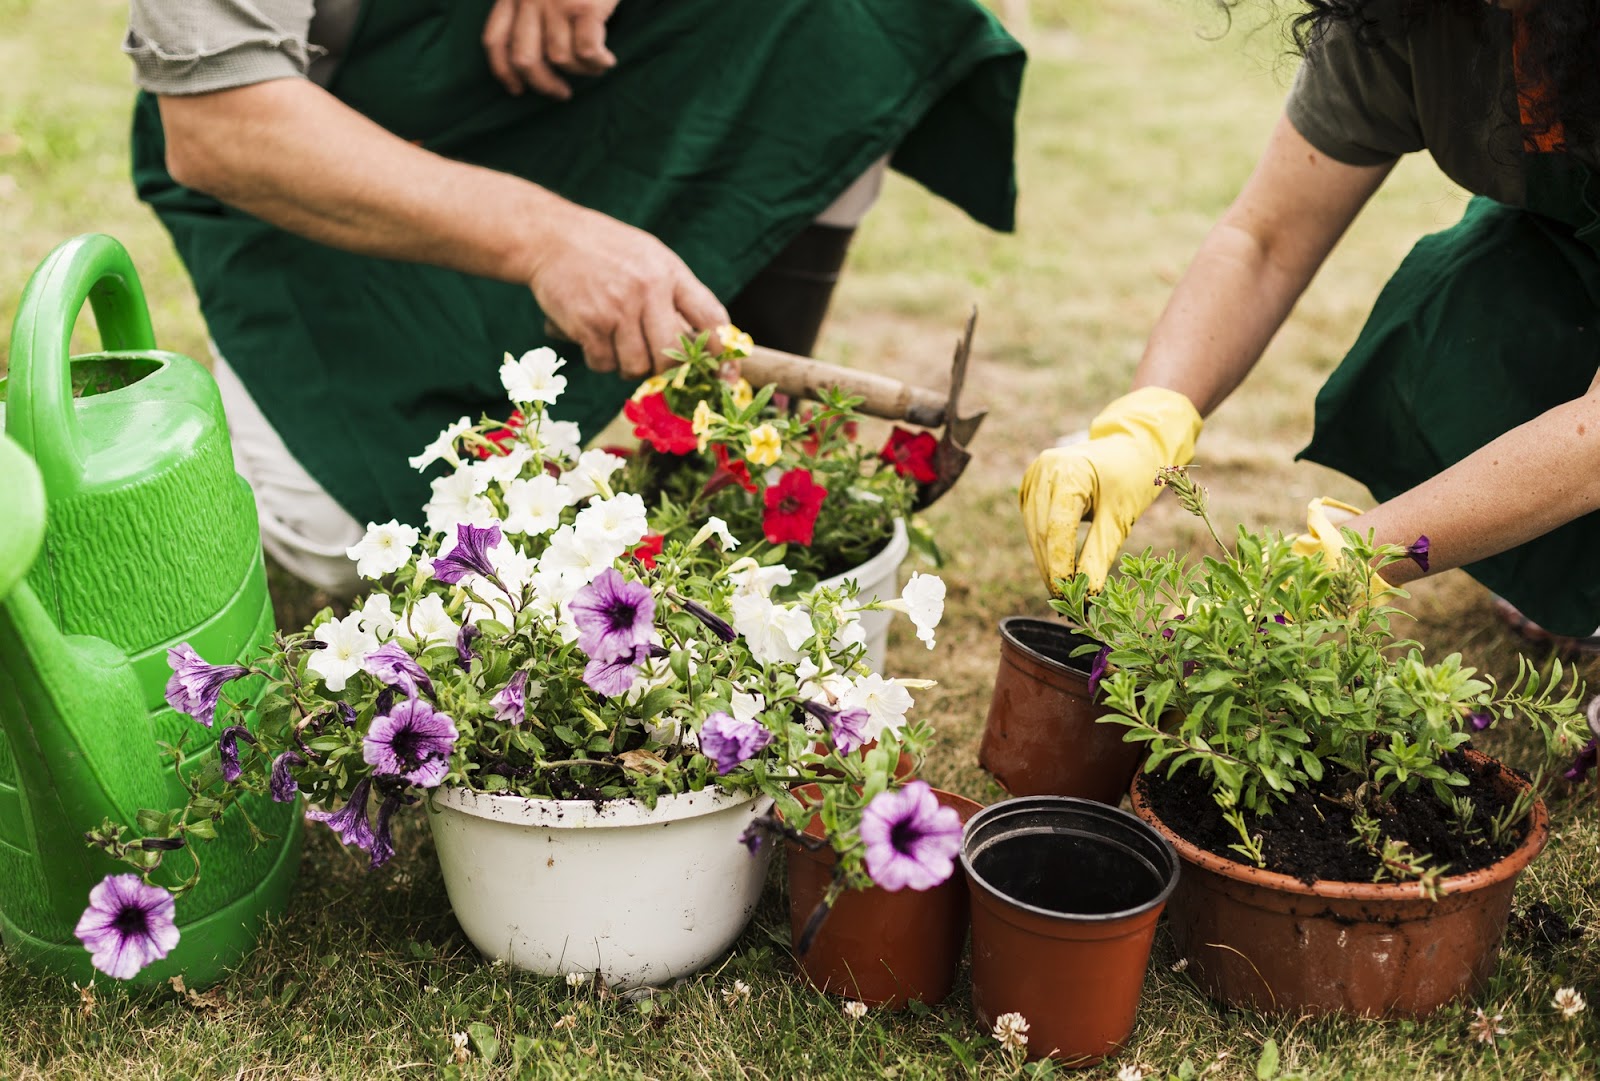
(638, 896)
(879, 579)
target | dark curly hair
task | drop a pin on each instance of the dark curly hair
(1560, 52)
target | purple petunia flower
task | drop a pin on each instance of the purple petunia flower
(412, 742)
(613, 615)
(1480, 720)
(1097, 671)
(393, 666)
(347, 714)
(282, 785)
(382, 839)
(717, 625)
(1418, 551)
(911, 840)
(1585, 761)
(848, 727)
(728, 741)
(350, 822)
(195, 686)
(228, 750)
(613, 677)
(470, 555)
(127, 925)
(511, 701)
(752, 838)
(464, 653)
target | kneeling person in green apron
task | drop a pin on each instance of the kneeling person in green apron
(1468, 405)
(376, 199)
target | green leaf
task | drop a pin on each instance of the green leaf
(484, 1040)
(1267, 1064)
(521, 1048)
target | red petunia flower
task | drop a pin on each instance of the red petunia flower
(817, 431)
(502, 437)
(728, 471)
(648, 549)
(659, 426)
(911, 454)
(792, 507)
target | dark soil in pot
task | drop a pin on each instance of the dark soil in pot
(1309, 836)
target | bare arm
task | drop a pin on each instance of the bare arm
(293, 155)
(1252, 267)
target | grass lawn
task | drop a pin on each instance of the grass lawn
(1141, 120)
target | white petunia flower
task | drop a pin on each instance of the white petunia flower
(748, 576)
(385, 549)
(345, 646)
(556, 438)
(427, 623)
(534, 506)
(774, 632)
(619, 520)
(590, 476)
(578, 557)
(923, 598)
(552, 589)
(377, 616)
(885, 700)
(532, 377)
(507, 467)
(443, 447)
(745, 706)
(455, 500)
(715, 527)
(851, 632)
(514, 567)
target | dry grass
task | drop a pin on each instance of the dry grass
(1137, 129)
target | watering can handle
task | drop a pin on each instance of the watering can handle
(40, 414)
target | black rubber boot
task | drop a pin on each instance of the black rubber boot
(783, 306)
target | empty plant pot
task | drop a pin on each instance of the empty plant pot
(879, 947)
(1065, 897)
(1041, 737)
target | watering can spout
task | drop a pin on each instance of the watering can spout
(53, 686)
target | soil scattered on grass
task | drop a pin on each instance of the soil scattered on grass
(1310, 836)
(1541, 927)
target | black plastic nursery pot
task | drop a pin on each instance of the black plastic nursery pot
(1065, 894)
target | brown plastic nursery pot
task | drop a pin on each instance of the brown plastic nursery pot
(1065, 897)
(1270, 942)
(878, 947)
(1041, 737)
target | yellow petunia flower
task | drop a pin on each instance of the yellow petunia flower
(742, 394)
(735, 342)
(704, 418)
(654, 385)
(765, 445)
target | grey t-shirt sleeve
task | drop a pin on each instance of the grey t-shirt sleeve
(1354, 101)
(198, 46)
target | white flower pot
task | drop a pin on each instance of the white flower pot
(636, 895)
(878, 579)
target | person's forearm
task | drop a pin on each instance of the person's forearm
(1527, 482)
(1252, 267)
(291, 154)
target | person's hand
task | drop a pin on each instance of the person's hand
(529, 41)
(1111, 478)
(1324, 516)
(619, 293)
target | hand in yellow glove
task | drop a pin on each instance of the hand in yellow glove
(1111, 479)
(1323, 519)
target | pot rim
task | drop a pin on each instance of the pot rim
(1507, 867)
(1010, 640)
(585, 813)
(1007, 806)
(894, 551)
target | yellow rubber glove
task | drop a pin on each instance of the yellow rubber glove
(1323, 519)
(1111, 478)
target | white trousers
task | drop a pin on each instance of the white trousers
(302, 527)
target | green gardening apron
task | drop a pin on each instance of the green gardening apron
(1484, 327)
(724, 129)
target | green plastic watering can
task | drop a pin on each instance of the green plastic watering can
(126, 533)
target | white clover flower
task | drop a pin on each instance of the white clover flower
(555, 438)
(1569, 1003)
(443, 447)
(534, 505)
(1011, 1029)
(1130, 1073)
(592, 474)
(774, 632)
(619, 520)
(427, 623)
(855, 1010)
(384, 549)
(923, 598)
(377, 616)
(532, 377)
(885, 700)
(748, 576)
(455, 500)
(458, 1048)
(578, 979)
(345, 645)
(578, 557)
(736, 995)
(1484, 1027)
(715, 527)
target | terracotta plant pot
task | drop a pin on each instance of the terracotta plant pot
(878, 947)
(1270, 942)
(1041, 737)
(1065, 897)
